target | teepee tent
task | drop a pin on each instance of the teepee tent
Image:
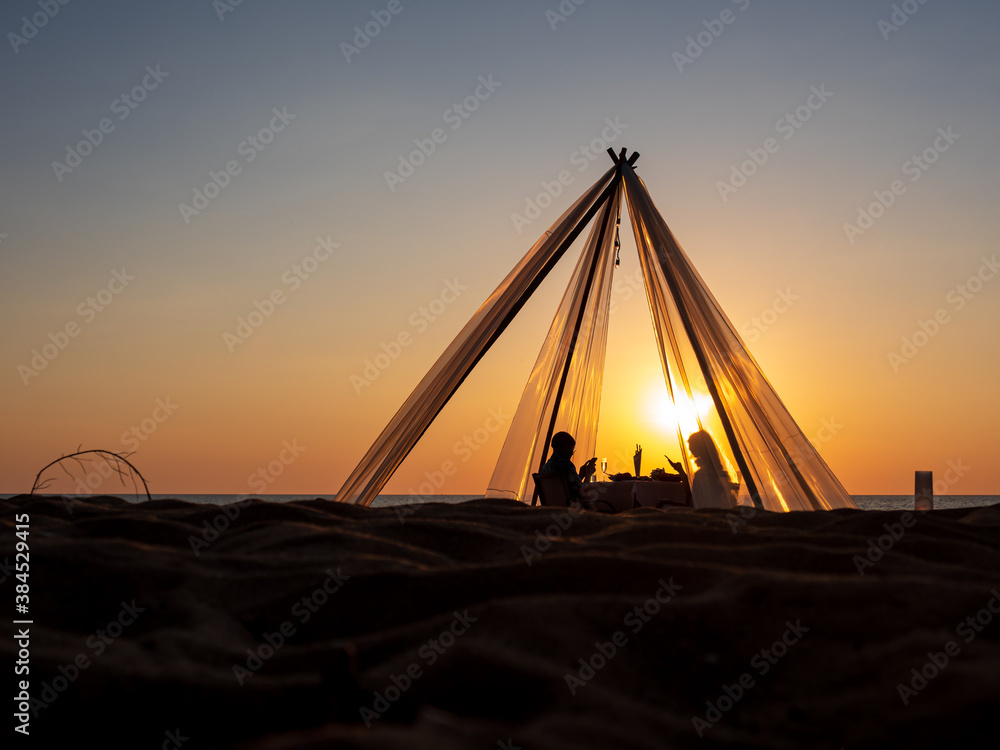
(731, 422)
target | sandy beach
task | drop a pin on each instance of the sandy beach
(488, 624)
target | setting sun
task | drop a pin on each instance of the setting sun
(667, 415)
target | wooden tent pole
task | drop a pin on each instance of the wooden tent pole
(515, 309)
(727, 425)
(576, 333)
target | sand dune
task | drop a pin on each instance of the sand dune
(315, 625)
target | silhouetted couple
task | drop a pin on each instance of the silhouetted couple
(711, 487)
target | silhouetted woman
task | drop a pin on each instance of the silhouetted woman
(712, 486)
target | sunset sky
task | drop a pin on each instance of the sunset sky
(167, 173)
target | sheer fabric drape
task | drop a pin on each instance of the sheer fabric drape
(738, 442)
(700, 349)
(454, 365)
(576, 344)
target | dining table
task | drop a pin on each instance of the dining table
(633, 493)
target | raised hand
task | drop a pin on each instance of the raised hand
(679, 468)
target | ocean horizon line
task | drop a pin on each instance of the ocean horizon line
(864, 502)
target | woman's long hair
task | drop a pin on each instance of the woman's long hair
(703, 447)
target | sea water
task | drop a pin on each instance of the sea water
(864, 502)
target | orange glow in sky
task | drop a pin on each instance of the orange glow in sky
(262, 343)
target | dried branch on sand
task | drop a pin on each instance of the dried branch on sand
(117, 462)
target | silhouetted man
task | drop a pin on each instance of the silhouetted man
(563, 447)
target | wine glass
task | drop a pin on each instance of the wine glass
(604, 468)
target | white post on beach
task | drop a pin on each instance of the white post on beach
(923, 493)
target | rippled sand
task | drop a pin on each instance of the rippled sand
(315, 625)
